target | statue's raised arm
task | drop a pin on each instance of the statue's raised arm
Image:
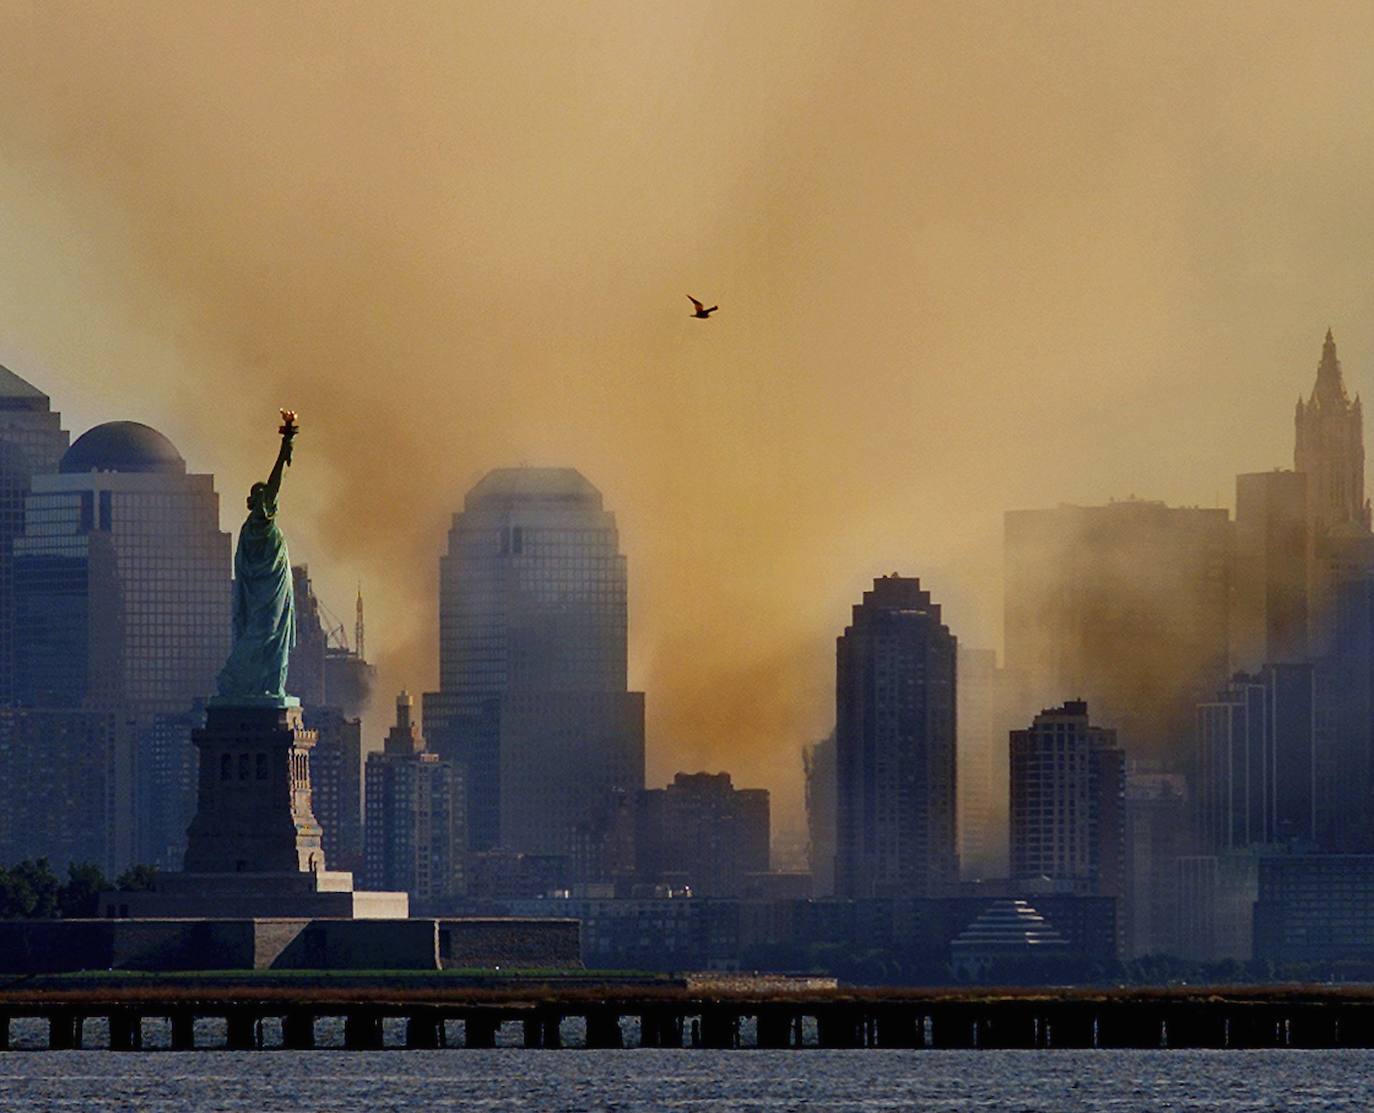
(269, 490)
(264, 603)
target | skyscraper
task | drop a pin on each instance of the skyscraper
(336, 757)
(1345, 686)
(1156, 837)
(121, 607)
(1269, 618)
(336, 785)
(532, 660)
(122, 578)
(818, 764)
(896, 665)
(1125, 605)
(32, 442)
(1329, 451)
(992, 701)
(1256, 766)
(64, 788)
(1068, 788)
(413, 836)
(168, 776)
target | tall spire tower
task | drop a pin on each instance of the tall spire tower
(1329, 450)
(358, 627)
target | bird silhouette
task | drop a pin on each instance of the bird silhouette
(701, 310)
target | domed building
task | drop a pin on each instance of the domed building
(122, 578)
(532, 666)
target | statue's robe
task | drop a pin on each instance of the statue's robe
(264, 609)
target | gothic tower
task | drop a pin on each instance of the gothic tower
(1330, 451)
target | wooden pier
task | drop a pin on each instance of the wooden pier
(616, 1017)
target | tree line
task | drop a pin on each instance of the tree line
(30, 890)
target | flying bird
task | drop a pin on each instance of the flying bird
(701, 310)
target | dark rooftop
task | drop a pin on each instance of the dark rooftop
(122, 446)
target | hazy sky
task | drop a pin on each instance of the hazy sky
(968, 256)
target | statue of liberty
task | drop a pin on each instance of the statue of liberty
(264, 604)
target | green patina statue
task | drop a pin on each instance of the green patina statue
(264, 603)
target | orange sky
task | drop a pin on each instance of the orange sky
(970, 256)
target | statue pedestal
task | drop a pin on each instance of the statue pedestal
(253, 849)
(253, 811)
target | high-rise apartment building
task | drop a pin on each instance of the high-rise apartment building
(532, 661)
(413, 836)
(702, 833)
(32, 442)
(896, 666)
(1068, 788)
(1125, 605)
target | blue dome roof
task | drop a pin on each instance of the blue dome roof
(126, 446)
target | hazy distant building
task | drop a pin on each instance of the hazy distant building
(305, 676)
(992, 702)
(703, 834)
(1256, 764)
(1068, 787)
(1315, 908)
(1269, 619)
(414, 833)
(349, 680)
(1216, 906)
(32, 442)
(1345, 688)
(63, 776)
(336, 758)
(1125, 605)
(532, 661)
(895, 746)
(818, 765)
(1156, 822)
(167, 778)
(122, 579)
(336, 785)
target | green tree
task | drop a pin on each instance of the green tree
(28, 891)
(137, 879)
(80, 896)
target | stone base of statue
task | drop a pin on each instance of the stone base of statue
(254, 847)
(253, 808)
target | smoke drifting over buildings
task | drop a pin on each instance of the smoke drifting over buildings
(968, 258)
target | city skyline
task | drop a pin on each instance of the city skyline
(791, 813)
(466, 243)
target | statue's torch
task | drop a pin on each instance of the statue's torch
(288, 431)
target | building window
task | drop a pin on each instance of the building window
(226, 767)
(243, 767)
(262, 767)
